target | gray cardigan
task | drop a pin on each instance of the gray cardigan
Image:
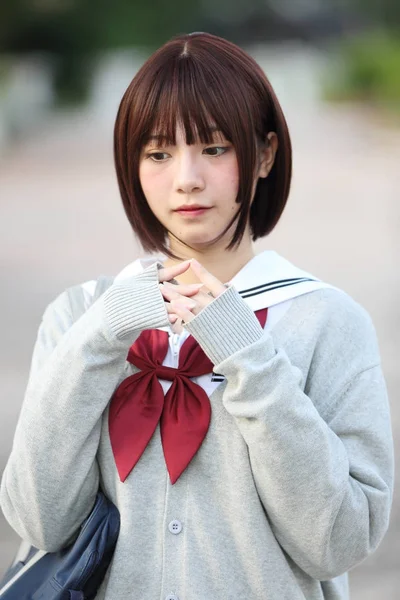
(291, 488)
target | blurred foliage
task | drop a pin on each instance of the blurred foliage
(368, 63)
(72, 32)
(368, 71)
(379, 12)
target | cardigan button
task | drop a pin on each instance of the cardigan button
(175, 526)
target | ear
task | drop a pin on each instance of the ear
(267, 154)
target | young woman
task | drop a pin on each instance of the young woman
(230, 405)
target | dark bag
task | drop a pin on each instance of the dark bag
(73, 573)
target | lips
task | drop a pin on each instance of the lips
(192, 207)
(192, 212)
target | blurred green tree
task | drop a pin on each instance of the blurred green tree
(368, 68)
(379, 12)
(73, 32)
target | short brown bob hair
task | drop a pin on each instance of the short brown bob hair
(200, 79)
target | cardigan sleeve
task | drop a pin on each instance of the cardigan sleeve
(319, 442)
(50, 481)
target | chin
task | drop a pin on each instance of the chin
(198, 242)
(201, 239)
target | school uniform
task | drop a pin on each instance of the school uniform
(292, 484)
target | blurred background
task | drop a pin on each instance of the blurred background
(64, 66)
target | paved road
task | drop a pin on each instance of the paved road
(61, 222)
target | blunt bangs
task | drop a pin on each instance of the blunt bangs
(204, 84)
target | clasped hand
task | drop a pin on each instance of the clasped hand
(185, 301)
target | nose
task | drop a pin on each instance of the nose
(189, 177)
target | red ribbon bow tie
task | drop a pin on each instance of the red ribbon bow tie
(138, 404)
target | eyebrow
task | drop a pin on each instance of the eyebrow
(158, 137)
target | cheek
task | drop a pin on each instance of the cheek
(152, 183)
(232, 171)
(143, 178)
(229, 181)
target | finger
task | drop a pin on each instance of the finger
(189, 289)
(203, 296)
(185, 314)
(196, 291)
(195, 305)
(171, 295)
(177, 327)
(215, 286)
(205, 291)
(165, 274)
(175, 305)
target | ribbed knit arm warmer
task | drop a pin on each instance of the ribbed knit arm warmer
(51, 479)
(319, 437)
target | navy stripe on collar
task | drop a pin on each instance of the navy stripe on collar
(273, 285)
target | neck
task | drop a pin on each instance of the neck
(222, 263)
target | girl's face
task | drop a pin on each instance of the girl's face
(192, 189)
(176, 178)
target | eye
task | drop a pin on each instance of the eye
(157, 156)
(216, 150)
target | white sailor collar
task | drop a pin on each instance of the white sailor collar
(267, 279)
